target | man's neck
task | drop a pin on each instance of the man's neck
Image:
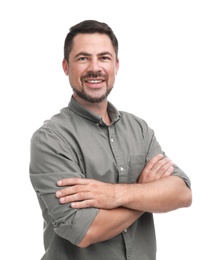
(97, 108)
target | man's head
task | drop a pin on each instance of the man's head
(91, 60)
(88, 26)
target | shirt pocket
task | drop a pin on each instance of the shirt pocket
(136, 165)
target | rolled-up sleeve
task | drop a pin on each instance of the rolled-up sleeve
(51, 160)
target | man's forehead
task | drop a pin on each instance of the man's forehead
(93, 44)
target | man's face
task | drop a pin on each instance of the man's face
(92, 66)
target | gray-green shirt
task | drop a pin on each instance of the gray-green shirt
(76, 143)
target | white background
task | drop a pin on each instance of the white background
(171, 74)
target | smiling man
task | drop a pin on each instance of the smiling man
(99, 173)
(92, 66)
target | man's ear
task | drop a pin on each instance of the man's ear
(65, 66)
(117, 65)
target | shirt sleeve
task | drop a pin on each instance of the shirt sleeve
(51, 159)
(153, 148)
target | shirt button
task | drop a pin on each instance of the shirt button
(125, 230)
(112, 140)
(122, 169)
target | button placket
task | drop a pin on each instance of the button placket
(118, 154)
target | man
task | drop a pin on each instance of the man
(100, 174)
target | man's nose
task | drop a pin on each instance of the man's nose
(94, 65)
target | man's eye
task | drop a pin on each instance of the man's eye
(105, 58)
(82, 58)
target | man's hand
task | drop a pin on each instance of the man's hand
(85, 193)
(156, 168)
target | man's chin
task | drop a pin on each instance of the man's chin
(96, 99)
(91, 98)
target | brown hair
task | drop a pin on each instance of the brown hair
(88, 26)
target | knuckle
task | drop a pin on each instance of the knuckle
(89, 203)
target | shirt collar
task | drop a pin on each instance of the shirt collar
(80, 110)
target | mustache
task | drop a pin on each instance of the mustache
(93, 75)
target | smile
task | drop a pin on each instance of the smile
(94, 81)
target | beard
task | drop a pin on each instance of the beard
(82, 93)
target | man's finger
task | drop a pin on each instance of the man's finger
(71, 181)
(169, 171)
(153, 161)
(162, 165)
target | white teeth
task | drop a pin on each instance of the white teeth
(94, 81)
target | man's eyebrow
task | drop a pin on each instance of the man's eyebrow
(88, 54)
(82, 54)
(105, 53)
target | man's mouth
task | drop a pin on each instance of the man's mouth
(94, 81)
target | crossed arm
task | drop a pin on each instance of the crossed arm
(122, 204)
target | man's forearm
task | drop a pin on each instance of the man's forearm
(108, 224)
(162, 195)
